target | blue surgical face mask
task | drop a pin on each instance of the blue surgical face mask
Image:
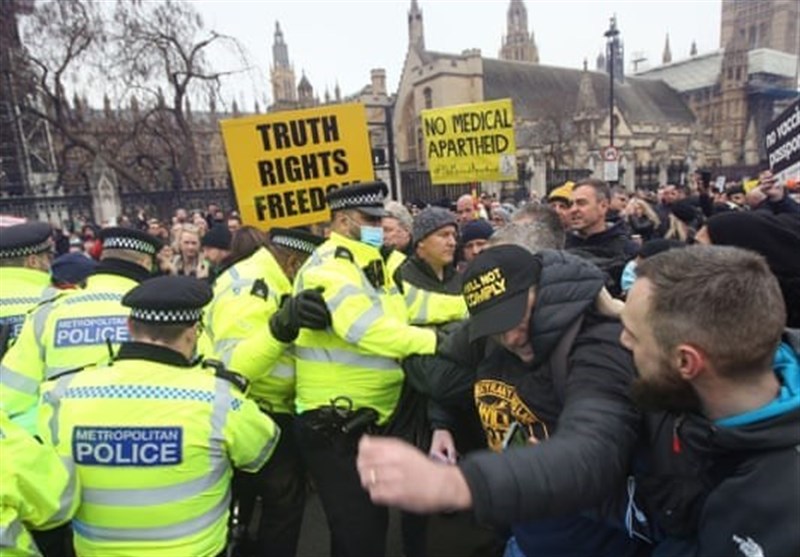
(372, 235)
(628, 276)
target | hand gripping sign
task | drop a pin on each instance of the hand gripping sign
(283, 164)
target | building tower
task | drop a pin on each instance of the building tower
(281, 72)
(305, 92)
(518, 45)
(27, 159)
(416, 32)
(774, 24)
(666, 57)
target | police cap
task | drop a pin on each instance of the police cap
(367, 198)
(168, 300)
(118, 237)
(28, 238)
(295, 239)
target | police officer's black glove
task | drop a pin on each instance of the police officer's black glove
(306, 309)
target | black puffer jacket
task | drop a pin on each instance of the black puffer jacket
(592, 425)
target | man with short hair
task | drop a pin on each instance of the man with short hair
(80, 327)
(617, 204)
(465, 209)
(234, 223)
(606, 245)
(552, 377)
(153, 435)
(734, 394)
(474, 236)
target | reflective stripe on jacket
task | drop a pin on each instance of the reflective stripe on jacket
(68, 333)
(38, 489)
(237, 321)
(153, 445)
(358, 355)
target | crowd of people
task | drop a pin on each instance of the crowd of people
(599, 372)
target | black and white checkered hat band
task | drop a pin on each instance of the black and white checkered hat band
(353, 202)
(166, 316)
(134, 244)
(24, 251)
(296, 244)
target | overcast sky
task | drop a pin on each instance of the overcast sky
(341, 41)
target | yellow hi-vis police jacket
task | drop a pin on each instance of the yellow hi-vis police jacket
(37, 489)
(62, 335)
(426, 307)
(153, 443)
(22, 289)
(246, 295)
(357, 357)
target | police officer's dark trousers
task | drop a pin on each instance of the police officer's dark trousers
(358, 527)
(281, 486)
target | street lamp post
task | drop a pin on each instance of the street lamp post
(612, 47)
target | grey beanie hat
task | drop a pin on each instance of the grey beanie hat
(431, 219)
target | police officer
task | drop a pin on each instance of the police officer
(78, 328)
(154, 435)
(37, 489)
(26, 252)
(251, 322)
(353, 363)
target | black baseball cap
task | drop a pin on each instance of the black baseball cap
(496, 286)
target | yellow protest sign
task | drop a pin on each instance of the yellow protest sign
(471, 142)
(284, 163)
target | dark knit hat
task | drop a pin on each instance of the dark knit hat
(476, 230)
(431, 219)
(776, 237)
(684, 211)
(218, 237)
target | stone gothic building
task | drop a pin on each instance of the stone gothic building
(562, 115)
(517, 43)
(287, 93)
(737, 90)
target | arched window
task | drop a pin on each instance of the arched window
(427, 93)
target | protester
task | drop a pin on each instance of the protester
(549, 358)
(560, 199)
(776, 237)
(474, 235)
(397, 226)
(704, 324)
